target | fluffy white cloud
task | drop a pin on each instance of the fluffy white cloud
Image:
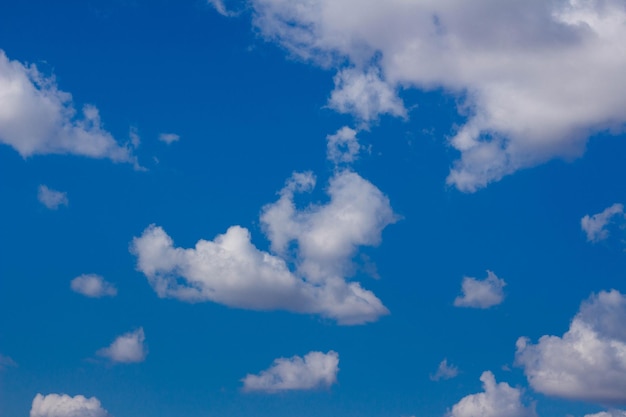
(51, 198)
(38, 118)
(343, 146)
(481, 294)
(589, 361)
(55, 405)
(535, 79)
(314, 370)
(232, 271)
(498, 400)
(595, 226)
(127, 348)
(445, 371)
(92, 285)
(611, 413)
(169, 138)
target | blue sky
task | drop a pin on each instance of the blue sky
(312, 208)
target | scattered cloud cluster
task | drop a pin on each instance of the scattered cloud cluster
(38, 118)
(127, 348)
(52, 199)
(589, 361)
(93, 285)
(481, 293)
(232, 271)
(610, 413)
(314, 370)
(62, 405)
(445, 371)
(533, 84)
(497, 400)
(595, 226)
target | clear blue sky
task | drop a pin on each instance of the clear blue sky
(466, 139)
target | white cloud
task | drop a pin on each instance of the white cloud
(498, 400)
(51, 198)
(610, 413)
(92, 285)
(230, 270)
(55, 405)
(343, 146)
(535, 78)
(589, 361)
(314, 370)
(6, 361)
(445, 371)
(595, 226)
(127, 348)
(169, 138)
(38, 118)
(481, 294)
(220, 7)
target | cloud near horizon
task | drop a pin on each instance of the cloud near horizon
(532, 85)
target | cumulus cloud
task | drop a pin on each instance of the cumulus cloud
(610, 413)
(343, 146)
(51, 198)
(445, 371)
(231, 270)
(62, 405)
(497, 400)
(595, 226)
(169, 138)
(314, 370)
(38, 118)
(533, 83)
(481, 293)
(589, 361)
(127, 348)
(93, 285)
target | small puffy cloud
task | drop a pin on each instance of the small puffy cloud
(589, 361)
(610, 413)
(595, 226)
(92, 285)
(231, 270)
(51, 198)
(343, 146)
(314, 370)
(6, 361)
(38, 118)
(532, 85)
(497, 400)
(62, 405)
(481, 293)
(365, 95)
(169, 138)
(127, 348)
(445, 371)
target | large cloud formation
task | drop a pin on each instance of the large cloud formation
(230, 270)
(314, 370)
(589, 361)
(38, 118)
(62, 405)
(498, 400)
(534, 82)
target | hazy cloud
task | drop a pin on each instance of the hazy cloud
(169, 138)
(62, 405)
(127, 348)
(595, 226)
(343, 146)
(481, 293)
(51, 198)
(589, 361)
(445, 371)
(93, 285)
(314, 370)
